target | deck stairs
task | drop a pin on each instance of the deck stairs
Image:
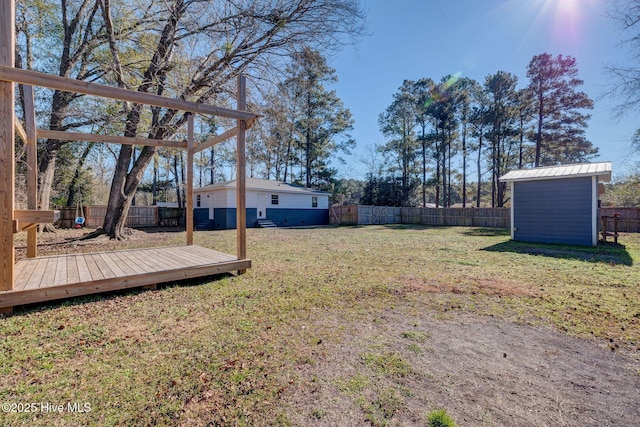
(266, 223)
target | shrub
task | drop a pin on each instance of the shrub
(440, 418)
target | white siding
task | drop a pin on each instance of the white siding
(226, 198)
(252, 199)
(298, 201)
(220, 199)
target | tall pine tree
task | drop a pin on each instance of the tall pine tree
(321, 122)
(559, 107)
(397, 123)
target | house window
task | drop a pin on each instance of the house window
(198, 201)
(274, 199)
(314, 201)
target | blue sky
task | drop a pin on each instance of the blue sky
(415, 39)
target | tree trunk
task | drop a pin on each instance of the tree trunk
(74, 186)
(521, 148)
(213, 164)
(539, 132)
(125, 182)
(444, 168)
(123, 188)
(286, 161)
(308, 140)
(308, 158)
(479, 193)
(464, 165)
(154, 184)
(118, 205)
(46, 171)
(493, 173)
(424, 170)
(437, 170)
(133, 199)
(449, 172)
(177, 177)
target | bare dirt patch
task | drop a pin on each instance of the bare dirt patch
(483, 371)
(470, 285)
(67, 241)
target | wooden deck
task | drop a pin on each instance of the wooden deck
(56, 277)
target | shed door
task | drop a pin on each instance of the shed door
(262, 205)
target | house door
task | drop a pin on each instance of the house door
(262, 205)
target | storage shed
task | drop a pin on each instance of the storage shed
(557, 204)
(268, 202)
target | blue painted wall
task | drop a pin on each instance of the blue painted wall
(553, 211)
(225, 218)
(200, 216)
(298, 217)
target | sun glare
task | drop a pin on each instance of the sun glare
(568, 8)
(560, 26)
(568, 17)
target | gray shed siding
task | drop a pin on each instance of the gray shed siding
(554, 211)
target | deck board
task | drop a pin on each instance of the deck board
(104, 268)
(83, 268)
(61, 273)
(156, 260)
(73, 275)
(33, 282)
(94, 271)
(109, 260)
(121, 265)
(63, 276)
(193, 256)
(133, 262)
(49, 272)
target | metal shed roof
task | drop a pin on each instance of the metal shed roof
(600, 169)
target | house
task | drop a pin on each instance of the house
(285, 205)
(557, 204)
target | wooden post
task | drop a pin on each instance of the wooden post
(189, 211)
(32, 166)
(241, 200)
(7, 150)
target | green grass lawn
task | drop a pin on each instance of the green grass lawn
(224, 350)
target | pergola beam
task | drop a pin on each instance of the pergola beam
(29, 216)
(216, 140)
(34, 78)
(189, 165)
(241, 179)
(32, 165)
(109, 139)
(7, 146)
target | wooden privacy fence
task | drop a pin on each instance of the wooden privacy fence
(629, 221)
(139, 216)
(153, 216)
(365, 215)
(472, 217)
